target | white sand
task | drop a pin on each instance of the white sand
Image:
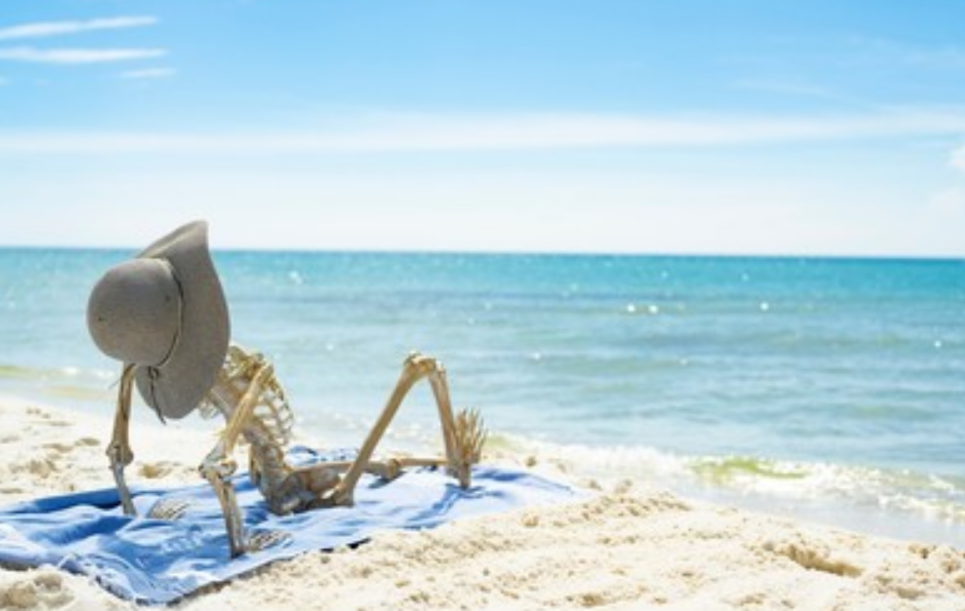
(627, 548)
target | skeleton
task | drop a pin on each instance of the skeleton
(253, 403)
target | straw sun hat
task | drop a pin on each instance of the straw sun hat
(164, 311)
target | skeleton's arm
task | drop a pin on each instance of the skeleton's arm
(119, 449)
(218, 466)
(463, 436)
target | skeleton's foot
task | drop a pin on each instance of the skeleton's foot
(168, 509)
(470, 437)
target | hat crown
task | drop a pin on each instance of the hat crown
(134, 312)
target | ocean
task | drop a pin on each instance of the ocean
(829, 389)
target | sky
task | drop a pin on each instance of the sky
(818, 127)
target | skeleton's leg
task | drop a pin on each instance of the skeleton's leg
(415, 368)
(387, 469)
(218, 466)
(464, 435)
(459, 458)
(311, 486)
(119, 449)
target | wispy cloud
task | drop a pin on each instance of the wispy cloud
(468, 133)
(884, 51)
(790, 87)
(56, 28)
(77, 56)
(148, 73)
(74, 56)
(800, 89)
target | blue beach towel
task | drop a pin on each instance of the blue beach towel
(158, 561)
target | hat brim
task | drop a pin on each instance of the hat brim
(177, 386)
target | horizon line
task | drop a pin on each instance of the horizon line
(422, 251)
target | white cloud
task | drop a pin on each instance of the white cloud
(148, 73)
(957, 160)
(77, 56)
(404, 133)
(56, 28)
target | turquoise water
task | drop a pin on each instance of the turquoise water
(828, 388)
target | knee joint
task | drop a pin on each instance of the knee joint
(421, 364)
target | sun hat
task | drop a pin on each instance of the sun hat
(165, 312)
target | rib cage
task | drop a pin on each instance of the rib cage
(272, 420)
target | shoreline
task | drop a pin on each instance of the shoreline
(629, 546)
(870, 500)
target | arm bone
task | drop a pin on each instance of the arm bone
(119, 449)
